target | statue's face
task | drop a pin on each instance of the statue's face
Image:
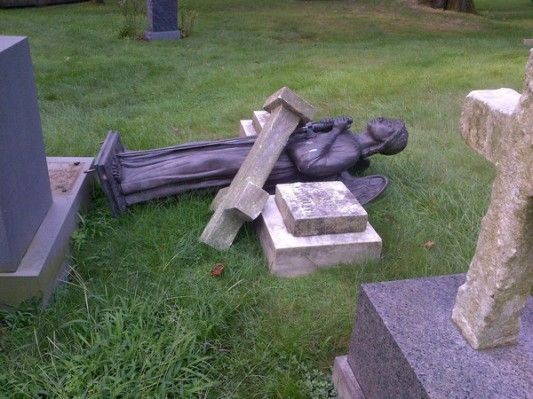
(389, 134)
(380, 129)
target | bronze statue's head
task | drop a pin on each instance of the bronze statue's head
(390, 136)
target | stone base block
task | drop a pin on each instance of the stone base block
(345, 383)
(290, 256)
(246, 128)
(259, 120)
(528, 42)
(44, 261)
(168, 35)
(405, 345)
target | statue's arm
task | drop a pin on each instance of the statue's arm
(322, 154)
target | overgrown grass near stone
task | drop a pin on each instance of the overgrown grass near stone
(142, 316)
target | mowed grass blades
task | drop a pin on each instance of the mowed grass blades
(142, 316)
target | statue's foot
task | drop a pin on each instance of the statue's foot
(108, 168)
(366, 189)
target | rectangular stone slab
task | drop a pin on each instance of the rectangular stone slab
(44, 263)
(246, 128)
(405, 345)
(259, 120)
(25, 195)
(320, 208)
(290, 256)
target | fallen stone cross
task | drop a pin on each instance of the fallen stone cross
(245, 198)
(499, 125)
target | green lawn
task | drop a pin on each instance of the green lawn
(142, 317)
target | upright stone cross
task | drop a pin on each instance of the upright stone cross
(245, 198)
(499, 125)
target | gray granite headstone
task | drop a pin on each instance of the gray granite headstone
(40, 197)
(405, 346)
(23, 206)
(162, 20)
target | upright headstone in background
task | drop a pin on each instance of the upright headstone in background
(498, 124)
(162, 20)
(404, 342)
(39, 197)
(23, 206)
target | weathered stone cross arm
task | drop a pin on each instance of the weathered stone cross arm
(499, 125)
(245, 198)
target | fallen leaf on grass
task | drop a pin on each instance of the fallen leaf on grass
(217, 270)
(429, 244)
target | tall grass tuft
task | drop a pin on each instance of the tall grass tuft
(187, 20)
(133, 18)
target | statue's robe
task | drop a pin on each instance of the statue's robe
(213, 164)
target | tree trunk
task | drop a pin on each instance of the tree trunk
(455, 5)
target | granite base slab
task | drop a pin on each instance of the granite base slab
(167, 35)
(291, 256)
(405, 345)
(44, 262)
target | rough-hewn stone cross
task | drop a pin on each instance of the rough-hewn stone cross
(499, 125)
(245, 198)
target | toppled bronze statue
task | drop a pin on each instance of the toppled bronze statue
(323, 150)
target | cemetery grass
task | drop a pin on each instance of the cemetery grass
(142, 316)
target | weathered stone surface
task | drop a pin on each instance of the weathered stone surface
(246, 128)
(404, 345)
(287, 109)
(43, 264)
(528, 42)
(345, 383)
(320, 208)
(25, 195)
(162, 20)
(259, 120)
(499, 125)
(290, 101)
(289, 256)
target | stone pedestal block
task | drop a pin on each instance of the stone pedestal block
(289, 256)
(259, 120)
(405, 345)
(246, 128)
(317, 208)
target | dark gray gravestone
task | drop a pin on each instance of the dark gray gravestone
(39, 197)
(405, 345)
(162, 19)
(23, 206)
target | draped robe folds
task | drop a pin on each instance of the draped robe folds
(308, 156)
